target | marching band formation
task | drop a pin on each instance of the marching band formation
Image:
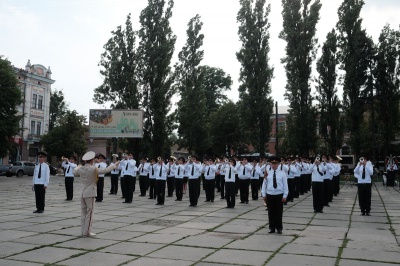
(281, 180)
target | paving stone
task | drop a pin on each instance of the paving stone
(197, 225)
(228, 256)
(6, 235)
(228, 228)
(344, 262)
(17, 263)
(87, 243)
(377, 255)
(132, 248)
(158, 238)
(118, 235)
(299, 260)
(13, 225)
(312, 250)
(318, 241)
(336, 223)
(206, 240)
(182, 230)
(181, 253)
(270, 242)
(43, 239)
(324, 232)
(10, 248)
(42, 228)
(141, 228)
(157, 261)
(98, 259)
(46, 255)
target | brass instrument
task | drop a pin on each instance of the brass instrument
(115, 156)
(189, 157)
(173, 158)
(159, 159)
(217, 160)
(362, 159)
(317, 159)
(226, 161)
(64, 158)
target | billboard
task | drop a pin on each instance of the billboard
(107, 123)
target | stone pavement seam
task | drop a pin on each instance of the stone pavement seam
(280, 248)
(387, 215)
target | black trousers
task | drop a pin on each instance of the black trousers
(170, 185)
(134, 183)
(330, 190)
(275, 211)
(237, 184)
(309, 179)
(244, 190)
(100, 188)
(114, 184)
(326, 191)
(254, 189)
(69, 187)
(336, 185)
(364, 197)
(296, 186)
(123, 187)
(129, 187)
(40, 197)
(260, 182)
(318, 196)
(160, 188)
(199, 190)
(218, 182)
(222, 187)
(302, 184)
(179, 188)
(290, 196)
(152, 190)
(209, 185)
(143, 184)
(230, 194)
(194, 187)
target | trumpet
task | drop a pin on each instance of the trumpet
(189, 157)
(226, 161)
(173, 158)
(64, 158)
(159, 158)
(362, 159)
(317, 159)
(115, 156)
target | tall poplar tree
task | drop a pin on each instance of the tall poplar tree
(300, 18)
(355, 55)
(255, 72)
(118, 68)
(191, 112)
(387, 84)
(155, 50)
(331, 127)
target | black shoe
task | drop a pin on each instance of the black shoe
(150, 198)
(212, 200)
(368, 214)
(222, 198)
(127, 202)
(315, 211)
(271, 231)
(169, 196)
(363, 213)
(326, 205)
(36, 211)
(191, 205)
(279, 232)
(228, 207)
(122, 197)
(242, 202)
(285, 203)
(110, 193)
(321, 211)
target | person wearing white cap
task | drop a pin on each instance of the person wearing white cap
(89, 177)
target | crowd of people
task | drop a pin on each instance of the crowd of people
(281, 180)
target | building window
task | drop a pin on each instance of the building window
(33, 127)
(38, 128)
(40, 102)
(34, 100)
(281, 126)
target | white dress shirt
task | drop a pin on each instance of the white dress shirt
(193, 170)
(281, 182)
(230, 172)
(44, 174)
(209, 171)
(179, 171)
(69, 168)
(131, 169)
(144, 169)
(317, 174)
(358, 173)
(160, 171)
(101, 165)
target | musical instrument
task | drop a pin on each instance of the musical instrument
(362, 159)
(115, 156)
(64, 158)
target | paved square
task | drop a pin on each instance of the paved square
(142, 233)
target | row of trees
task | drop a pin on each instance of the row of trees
(142, 77)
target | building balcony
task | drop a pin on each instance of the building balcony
(33, 137)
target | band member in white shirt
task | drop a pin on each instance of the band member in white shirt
(152, 180)
(179, 174)
(69, 165)
(161, 171)
(100, 164)
(130, 178)
(121, 167)
(230, 172)
(275, 190)
(244, 168)
(114, 177)
(317, 178)
(170, 177)
(193, 168)
(209, 180)
(41, 178)
(254, 179)
(143, 171)
(364, 172)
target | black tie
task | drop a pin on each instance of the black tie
(152, 170)
(40, 171)
(230, 171)
(288, 170)
(243, 169)
(179, 168)
(254, 172)
(274, 180)
(98, 166)
(68, 169)
(363, 174)
(142, 168)
(319, 171)
(281, 166)
(193, 170)
(160, 170)
(126, 168)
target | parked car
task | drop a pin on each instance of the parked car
(4, 168)
(53, 170)
(21, 168)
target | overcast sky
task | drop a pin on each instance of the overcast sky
(69, 36)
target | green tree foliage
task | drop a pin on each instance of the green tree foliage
(331, 126)
(58, 107)
(155, 50)
(300, 18)
(355, 55)
(118, 68)
(224, 130)
(215, 83)
(255, 72)
(191, 112)
(387, 83)
(11, 97)
(66, 138)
